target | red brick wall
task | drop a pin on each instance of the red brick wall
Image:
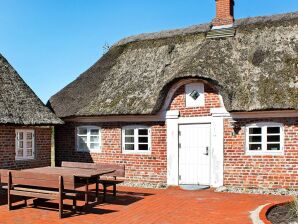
(212, 100)
(224, 13)
(7, 148)
(261, 171)
(140, 168)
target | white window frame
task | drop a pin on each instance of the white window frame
(89, 127)
(136, 140)
(24, 157)
(264, 151)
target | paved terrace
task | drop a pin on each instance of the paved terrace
(137, 205)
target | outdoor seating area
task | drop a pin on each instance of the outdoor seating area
(143, 205)
(59, 183)
(107, 179)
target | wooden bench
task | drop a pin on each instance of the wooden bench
(106, 180)
(37, 185)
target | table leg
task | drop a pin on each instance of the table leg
(96, 190)
(86, 191)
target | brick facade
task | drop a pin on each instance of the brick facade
(7, 147)
(139, 168)
(239, 169)
(261, 171)
(212, 100)
(224, 13)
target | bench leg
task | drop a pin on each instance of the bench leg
(104, 192)
(9, 203)
(74, 204)
(60, 207)
(96, 190)
(114, 190)
(25, 201)
(86, 192)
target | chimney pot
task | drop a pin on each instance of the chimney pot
(224, 14)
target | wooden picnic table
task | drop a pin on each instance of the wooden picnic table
(78, 173)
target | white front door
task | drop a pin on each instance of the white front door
(194, 154)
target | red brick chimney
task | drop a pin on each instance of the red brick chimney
(224, 13)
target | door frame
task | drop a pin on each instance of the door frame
(209, 154)
(218, 115)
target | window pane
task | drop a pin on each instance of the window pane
(20, 135)
(255, 147)
(143, 131)
(83, 139)
(129, 147)
(255, 130)
(29, 144)
(143, 147)
(273, 147)
(83, 142)
(129, 139)
(82, 131)
(94, 131)
(20, 144)
(129, 131)
(143, 139)
(94, 139)
(29, 135)
(94, 146)
(20, 153)
(83, 146)
(273, 130)
(273, 138)
(255, 138)
(29, 152)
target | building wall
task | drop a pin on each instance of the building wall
(212, 100)
(241, 170)
(7, 148)
(279, 171)
(139, 168)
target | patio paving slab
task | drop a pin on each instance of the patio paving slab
(150, 206)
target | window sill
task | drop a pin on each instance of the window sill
(281, 153)
(136, 152)
(93, 152)
(23, 159)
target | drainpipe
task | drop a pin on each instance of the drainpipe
(53, 163)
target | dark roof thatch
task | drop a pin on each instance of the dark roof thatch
(255, 70)
(18, 103)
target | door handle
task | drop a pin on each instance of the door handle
(207, 151)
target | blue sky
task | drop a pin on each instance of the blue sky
(51, 42)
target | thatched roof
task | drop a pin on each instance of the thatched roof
(255, 70)
(18, 103)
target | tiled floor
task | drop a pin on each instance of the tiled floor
(146, 206)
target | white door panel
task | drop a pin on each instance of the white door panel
(194, 154)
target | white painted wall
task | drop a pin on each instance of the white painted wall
(189, 101)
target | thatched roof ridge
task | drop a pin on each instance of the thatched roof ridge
(255, 70)
(202, 28)
(18, 103)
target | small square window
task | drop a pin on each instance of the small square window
(194, 94)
